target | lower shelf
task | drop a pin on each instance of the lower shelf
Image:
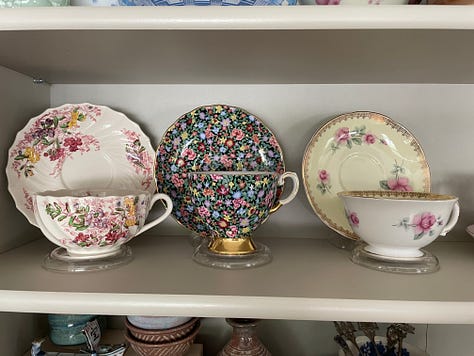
(111, 336)
(308, 279)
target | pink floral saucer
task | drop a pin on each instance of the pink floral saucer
(360, 151)
(78, 146)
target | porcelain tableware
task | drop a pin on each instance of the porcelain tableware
(399, 224)
(157, 322)
(212, 138)
(33, 3)
(233, 204)
(206, 2)
(76, 146)
(95, 223)
(360, 151)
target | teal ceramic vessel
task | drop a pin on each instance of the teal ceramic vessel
(66, 329)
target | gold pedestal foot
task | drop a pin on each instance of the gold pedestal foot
(228, 246)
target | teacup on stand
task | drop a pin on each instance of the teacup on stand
(92, 224)
(232, 204)
(396, 225)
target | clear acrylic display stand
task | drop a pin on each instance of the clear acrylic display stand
(59, 260)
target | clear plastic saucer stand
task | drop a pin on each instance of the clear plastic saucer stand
(59, 260)
(261, 256)
(427, 263)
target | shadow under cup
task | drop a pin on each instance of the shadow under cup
(232, 204)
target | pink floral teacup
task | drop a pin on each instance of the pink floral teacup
(398, 224)
(95, 223)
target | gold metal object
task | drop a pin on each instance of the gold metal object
(227, 246)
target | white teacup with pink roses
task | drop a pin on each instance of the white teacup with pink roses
(95, 223)
(399, 224)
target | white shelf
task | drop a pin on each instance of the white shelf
(238, 18)
(309, 279)
(270, 45)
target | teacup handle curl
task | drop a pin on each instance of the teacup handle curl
(281, 181)
(169, 208)
(453, 219)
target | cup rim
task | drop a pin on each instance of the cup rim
(90, 193)
(391, 195)
(235, 173)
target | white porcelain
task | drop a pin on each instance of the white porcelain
(398, 224)
(361, 340)
(95, 223)
(78, 146)
(157, 322)
(353, 2)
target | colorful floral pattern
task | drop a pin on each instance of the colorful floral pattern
(324, 185)
(55, 136)
(212, 138)
(232, 205)
(138, 156)
(97, 222)
(358, 136)
(422, 224)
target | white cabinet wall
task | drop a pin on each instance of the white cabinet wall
(294, 68)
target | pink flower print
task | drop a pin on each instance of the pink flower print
(342, 135)
(113, 236)
(226, 161)
(422, 223)
(72, 143)
(323, 176)
(203, 211)
(216, 177)
(255, 139)
(232, 231)
(238, 134)
(222, 190)
(354, 219)
(189, 154)
(369, 139)
(55, 154)
(237, 203)
(176, 180)
(400, 184)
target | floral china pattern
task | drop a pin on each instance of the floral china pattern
(212, 138)
(358, 136)
(138, 156)
(422, 224)
(352, 218)
(228, 207)
(398, 182)
(55, 136)
(98, 223)
(324, 184)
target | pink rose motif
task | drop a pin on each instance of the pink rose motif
(238, 134)
(323, 176)
(369, 139)
(342, 135)
(423, 222)
(177, 181)
(203, 211)
(189, 154)
(232, 231)
(400, 184)
(354, 219)
(222, 190)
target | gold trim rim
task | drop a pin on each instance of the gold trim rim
(344, 117)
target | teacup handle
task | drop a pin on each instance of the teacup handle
(453, 219)
(169, 208)
(296, 184)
